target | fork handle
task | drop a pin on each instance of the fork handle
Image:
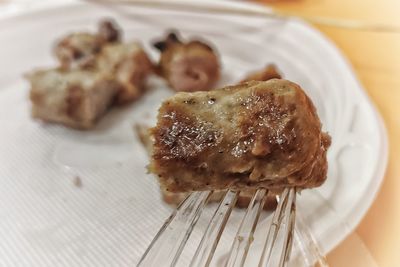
(169, 242)
(310, 252)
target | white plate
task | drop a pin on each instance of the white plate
(47, 221)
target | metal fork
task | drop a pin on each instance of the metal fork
(168, 244)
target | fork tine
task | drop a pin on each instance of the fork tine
(285, 210)
(244, 236)
(209, 242)
(308, 246)
(169, 242)
(290, 217)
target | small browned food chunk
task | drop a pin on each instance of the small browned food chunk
(109, 31)
(257, 134)
(75, 98)
(129, 65)
(79, 50)
(268, 73)
(190, 66)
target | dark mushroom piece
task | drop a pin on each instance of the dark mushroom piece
(187, 66)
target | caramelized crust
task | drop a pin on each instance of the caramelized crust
(257, 134)
(174, 198)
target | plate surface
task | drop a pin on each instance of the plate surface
(46, 220)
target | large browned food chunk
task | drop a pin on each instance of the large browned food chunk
(257, 134)
(129, 65)
(96, 71)
(191, 66)
(75, 98)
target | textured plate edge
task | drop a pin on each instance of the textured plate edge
(375, 184)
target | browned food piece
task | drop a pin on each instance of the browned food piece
(257, 134)
(129, 65)
(109, 31)
(190, 66)
(75, 98)
(268, 73)
(79, 50)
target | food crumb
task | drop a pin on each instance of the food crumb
(77, 181)
(142, 132)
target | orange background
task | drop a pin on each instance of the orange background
(376, 59)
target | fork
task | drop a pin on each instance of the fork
(168, 244)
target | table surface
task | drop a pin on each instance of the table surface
(376, 59)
